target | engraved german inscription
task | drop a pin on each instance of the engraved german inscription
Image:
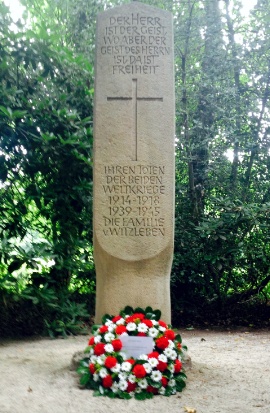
(134, 200)
(135, 43)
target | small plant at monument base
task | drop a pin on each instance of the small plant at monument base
(109, 369)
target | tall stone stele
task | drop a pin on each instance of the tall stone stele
(133, 159)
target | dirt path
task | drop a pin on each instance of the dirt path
(230, 374)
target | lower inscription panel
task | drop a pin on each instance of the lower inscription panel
(134, 203)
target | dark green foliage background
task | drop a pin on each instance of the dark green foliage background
(222, 229)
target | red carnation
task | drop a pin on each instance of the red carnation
(107, 381)
(117, 344)
(154, 355)
(120, 330)
(110, 362)
(141, 334)
(129, 319)
(91, 341)
(164, 381)
(170, 334)
(162, 324)
(131, 361)
(99, 349)
(179, 346)
(147, 322)
(162, 366)
(139, 316)
(116, 318)
(131, 387)
(162, 343)
(92, 368)
(139, 371)
(177, 366)
(103, 329)
(151, 389)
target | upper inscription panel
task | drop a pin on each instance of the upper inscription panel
(134, 131)
(135, 44)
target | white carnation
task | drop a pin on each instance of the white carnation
(162, 329)
(122, 376)
(156, 375)
(172, 383)
(109, 337)
(103, 372)
(171, 368)
(143, 357)
(111, 328)
(108, 322)
(147, 367)
(101, 359)
(171, 344)
(132, 378)
(109, 348)
(126, 366)
(114, 387)
(97, 339)
(153, 362)
(123, 385)
(93, 359)
(131, 326)
(163, 358)
(116, 368)
(153, 332)
(143, 384)
(124, 334)
(171, 354)
(95, 376)
(101, 390)
(162, 390)
(168, 352)
(120, 322)
(142, 328)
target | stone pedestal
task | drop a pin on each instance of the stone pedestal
(133, 159)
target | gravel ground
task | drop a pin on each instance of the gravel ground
(230, 373)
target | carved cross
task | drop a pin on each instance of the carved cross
(135, 98)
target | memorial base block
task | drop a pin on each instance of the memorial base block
(134, 283)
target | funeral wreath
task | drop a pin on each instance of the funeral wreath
(109, 369)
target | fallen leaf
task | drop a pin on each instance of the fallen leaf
(189, 409)
(29, 389)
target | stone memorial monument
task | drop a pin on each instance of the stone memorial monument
(134, 159)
